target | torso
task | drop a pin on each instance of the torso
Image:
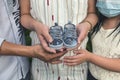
(107, 47)
(43, 12)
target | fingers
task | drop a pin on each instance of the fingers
(82, 32)
(55, 58)
(58, 55)
(71, 64)
(74, 60)
(70, 61)
(74, 49)
(45, 45)
(45, 33)
(70, 57)
(81, 38)
(56, 62)
(47, 37)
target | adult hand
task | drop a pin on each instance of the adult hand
(32, 24)
(82, 30)
(46, 56)
(79, 57)
(42, 31)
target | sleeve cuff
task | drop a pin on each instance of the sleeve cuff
(1, 41)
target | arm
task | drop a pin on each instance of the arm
(35, 51)
(30, 23)
(112, 64)
(8, 48)
(91, 17)
(89, 22)
(107, 63)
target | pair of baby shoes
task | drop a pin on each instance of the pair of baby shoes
(63, 37)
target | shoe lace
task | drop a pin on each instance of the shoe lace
(56, 33)
(70, 32)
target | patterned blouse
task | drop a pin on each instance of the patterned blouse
(60, 11)
(107, 47)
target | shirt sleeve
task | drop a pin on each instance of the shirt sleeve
(1, 41)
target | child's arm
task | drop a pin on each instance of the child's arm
(84, 55)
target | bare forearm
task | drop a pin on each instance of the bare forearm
(26, 19)
(28, 22)
(92, 18)
(107, 63)
(8, 48)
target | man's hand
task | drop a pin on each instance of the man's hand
(46, 56)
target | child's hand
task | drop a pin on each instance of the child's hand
(79, 57)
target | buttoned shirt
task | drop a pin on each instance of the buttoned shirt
(11, 67)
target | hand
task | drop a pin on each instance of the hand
(42, 54)
(82, 30)
(79, 57)
(42, 31)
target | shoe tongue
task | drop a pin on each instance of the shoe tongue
(70, 31)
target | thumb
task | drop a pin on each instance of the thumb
(46, 34)
(48, 37)
(81, 37)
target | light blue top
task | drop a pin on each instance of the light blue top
(11, 67)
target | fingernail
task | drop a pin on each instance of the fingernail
(50, 40)
(79, 42)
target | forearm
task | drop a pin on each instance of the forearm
(26, 19)
(28, 22)
(107, 63)
(8, 48)
(92, 18)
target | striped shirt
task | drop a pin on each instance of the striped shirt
(61, 11)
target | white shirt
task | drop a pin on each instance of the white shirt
(63, 11)
(107, 47)
(11, 67)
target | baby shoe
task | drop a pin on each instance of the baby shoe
(70, 35)
(56, 32)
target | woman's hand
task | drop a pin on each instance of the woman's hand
(82, 30)
(89, 22)
(30, 23)
(42, 31)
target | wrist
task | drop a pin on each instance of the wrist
(36, 24)
(27, 21)
(90, 57)
(24, 14)
(90, 25)
(36, 49)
